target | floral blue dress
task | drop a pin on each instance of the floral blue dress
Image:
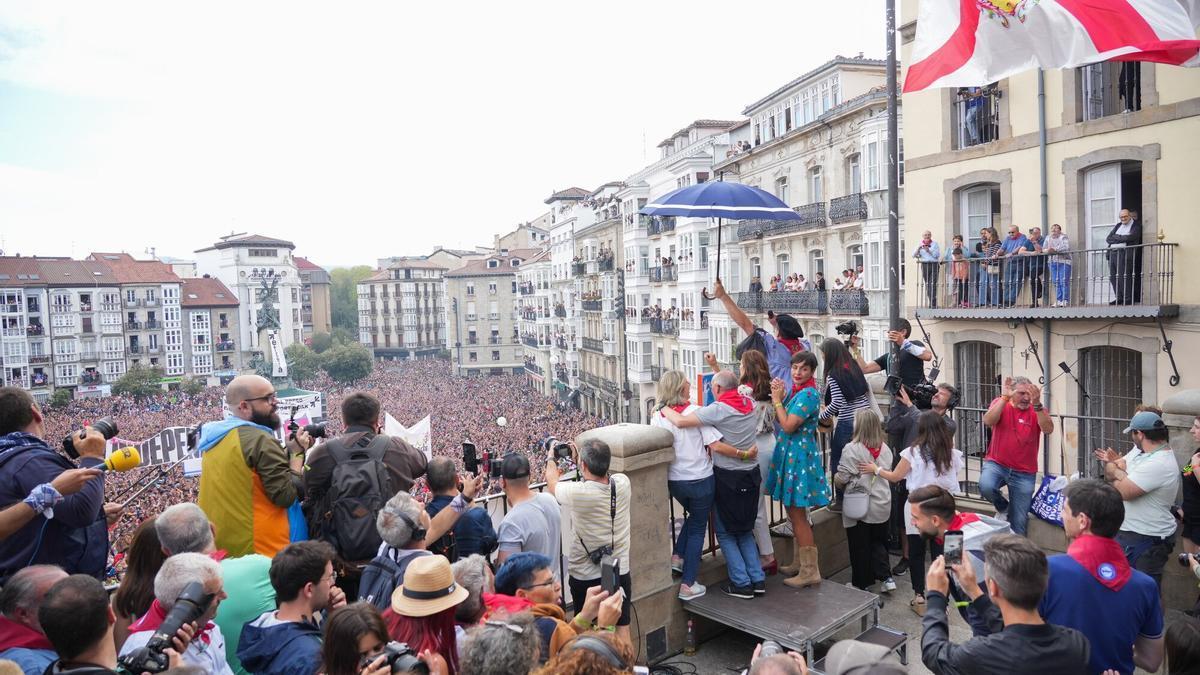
(796, 477)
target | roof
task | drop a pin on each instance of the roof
(207, 292)
(835, 61)
(416, 265)
(127, 270)
(699, 124)
(246, 240)
(569, 193)
(306, 264)
(18, 271)
(479, 268)
(62, 272)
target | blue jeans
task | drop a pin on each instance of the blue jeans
(842, 434)
(989, 288)
(1060, 276)
(1020, 492)
(1015, 272)
(741, 555)
(696, 498)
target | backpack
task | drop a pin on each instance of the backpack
(382, 576)
(754, 342)
(359, 487)
(445, 546)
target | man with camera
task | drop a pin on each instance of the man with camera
(1095, 590)
(913, 355)
(342, 468)
(248, 480)
(599, 506)
(474, 532)
(534, 519)
(70, 531)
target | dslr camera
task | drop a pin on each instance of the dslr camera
(403, 659)
(316, 429)
(104, 425)
(188, 607)
(1185, 558)
(848, 329)
(561, 450)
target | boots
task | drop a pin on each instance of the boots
(810, 574)
(794, 568)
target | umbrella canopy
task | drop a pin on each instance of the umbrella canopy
(718, 199)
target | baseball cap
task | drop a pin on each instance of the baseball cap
(1145, 421)
(514, 465)
(850, 656)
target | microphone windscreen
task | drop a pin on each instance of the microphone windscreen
(123, 459)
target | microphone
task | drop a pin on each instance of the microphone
(123, 459)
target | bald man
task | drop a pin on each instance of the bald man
(248, 479)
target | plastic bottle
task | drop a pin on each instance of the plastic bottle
(689, 643)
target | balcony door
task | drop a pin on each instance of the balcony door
(1102, 206)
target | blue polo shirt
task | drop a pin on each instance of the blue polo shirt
(1111, 620)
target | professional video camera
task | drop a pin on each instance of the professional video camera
(316, 429)
(849, 329)
(921, 395)
(188, 607)
(104, 425)
(561, 450)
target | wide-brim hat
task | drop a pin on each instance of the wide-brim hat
(429, 587)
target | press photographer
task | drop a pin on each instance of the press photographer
(912, 357)
(68, 531)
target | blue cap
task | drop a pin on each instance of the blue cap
(1145, 421)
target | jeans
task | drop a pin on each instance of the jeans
(696, 498)
(741, 555)
(1147, 554)
(1060, 276)
(989, 288)
(842, 433)
(1020, 492)
(1014, 277)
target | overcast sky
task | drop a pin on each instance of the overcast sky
(363, 129)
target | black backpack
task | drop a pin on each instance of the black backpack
(754, 342)
(382, 576)
(358, 489)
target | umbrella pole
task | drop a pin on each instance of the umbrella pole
(704, 291)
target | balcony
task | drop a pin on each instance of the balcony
(153, 349)
(667, 273)
(560, 311)
(750, 229)
(592, 379)
(1136, 282)
(593, 345)
(153, 325)
(664, 326)
(656, 372)
(13, 331)
(471, 317)
(495, 340)
(659, 225)
(578, 269)
(63, 307)
(811, 215)
(605, 265)
(493, 316)
(525, 288)
(531, 367)
(1102, 91)
(529, 341)
(150, 302)
(133, 302)
(977, 116)
(110, 306)
(791, 302)
(593, 305)
(40, 379)
(90, 378)
(39, 358)
(133, 325)
(135, 350)
(225, 346)
(85, 306)
(10, 308)
(847, 209)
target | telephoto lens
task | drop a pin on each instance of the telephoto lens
(106, 427)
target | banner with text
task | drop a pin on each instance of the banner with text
(420, 435)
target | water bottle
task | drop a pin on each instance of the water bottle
(689, 643)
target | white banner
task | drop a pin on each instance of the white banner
(420, 436)
(278, 362)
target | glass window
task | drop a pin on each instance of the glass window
(815, 191)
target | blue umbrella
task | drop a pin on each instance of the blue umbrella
(718, 199)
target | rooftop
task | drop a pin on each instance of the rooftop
(207, 292)
(76, 273)
(700, 124)
(570, 193)
(479, 268)
(828, 65)
(127, 270)
(244, 240)
(306, 264)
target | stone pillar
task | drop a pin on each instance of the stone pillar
(642, 453)
(1179, 410)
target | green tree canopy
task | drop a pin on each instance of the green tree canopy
(348, 362)
(344, 295)
(321, 342)
(139, 382)
(303, 363)
(60, 398)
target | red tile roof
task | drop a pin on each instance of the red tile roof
(306, 264)
(479, 268)
(127, 270)
(207, 292)
(569, 193)
(63, 272)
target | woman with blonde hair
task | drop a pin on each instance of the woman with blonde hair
(866, 525)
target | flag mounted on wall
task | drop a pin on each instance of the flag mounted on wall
(971, 43)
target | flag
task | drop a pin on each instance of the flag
(420, 436)
(278, 361)
(972, 43)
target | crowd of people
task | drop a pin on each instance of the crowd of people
(851, 279)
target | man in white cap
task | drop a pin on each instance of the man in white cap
(1148, 480)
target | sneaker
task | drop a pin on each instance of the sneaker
(888, 586)
(691, 592)
(1002, 516)
(743, 592)
(676, 564)
(760, 588)
(917, 605)
(901, 567)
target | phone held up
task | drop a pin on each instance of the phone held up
(610, 574)
(952, 549)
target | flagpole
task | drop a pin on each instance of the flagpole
(893, 194)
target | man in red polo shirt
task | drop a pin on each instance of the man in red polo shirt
(1017, 419)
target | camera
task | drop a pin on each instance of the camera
(188, 607)
(598, 555)
(561, 450)
(403, 659)
(495, 464)
(849, 329)
(106, 427)
(921, 395)
(1184, 558)
(316, 429)
(770, 648)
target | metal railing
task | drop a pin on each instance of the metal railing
(592, 305)
(1108, 88)
(664, 273)
(848, 208)
(977, 116)
(656, 372)
(1136, 275)
(593, 344)
(811, 215)
(849, 302)
(529, 342)
(796, 302)
(578, 269)
(664, 326)
(660, 225)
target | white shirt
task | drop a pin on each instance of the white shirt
(1157, 474)
(590, 505)
(208, 657)
(692, 461)
(923, 473)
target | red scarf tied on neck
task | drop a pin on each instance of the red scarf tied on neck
(679, 408)
(1103, 558)
(957, 523)
(154, 616)
(797, 388)
(733, 399)
(793, 344)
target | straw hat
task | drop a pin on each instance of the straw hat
(428, 588)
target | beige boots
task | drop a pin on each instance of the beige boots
(809, 574)
(794, 568)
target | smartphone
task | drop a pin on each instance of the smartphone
(610, 574)
(952, 549)
(470, 458)
(494, 465)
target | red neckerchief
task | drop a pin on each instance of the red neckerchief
(875, 452)
(793, 344)
(153, 618)
(15, 635)
(957, 522)
(1103, 558)
(679, 408)
(736, 401)
(797, 388)
(497, 603)
(219, 555)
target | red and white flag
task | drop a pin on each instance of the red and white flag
(971, 43)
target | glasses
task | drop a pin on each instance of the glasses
(548, 582)
(506, 625)
(273, 396)
(332, 577)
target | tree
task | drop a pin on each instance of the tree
(344, 295)
(342, 336)
(303, 363)
(139, 382)
(192, 385)
(60, 398)
(348, 362)
(320, 342)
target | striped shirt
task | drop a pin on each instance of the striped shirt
(838, 405)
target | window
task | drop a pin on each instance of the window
(875, 252)
(493, 263)
(491, 288)
(816, 262)
(980, 208)
(1112, 376)
(1107, 88)
(815, 193)
(781, 189)
(854, 256)
(854, 174)
(783, 265)
(872, 152)
(495, 354)
(977, 377)
(262, 253)
(130, 296)
(900, 161)
(472, 357)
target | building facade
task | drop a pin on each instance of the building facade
(568, 214)
(402, 309)
(482, 324)
(150, 293)
(316, 305)
(546, 365)
(599, 268)
(1121, 139)
(211, 330)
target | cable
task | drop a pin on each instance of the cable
(674, 668)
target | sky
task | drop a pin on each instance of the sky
(363, 129)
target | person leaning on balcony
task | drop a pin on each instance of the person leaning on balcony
(960, 270)
(1015, 269)
(929, 253)
(1035, 264)
(1060, 265)
(989, 249)
(1125, 259)
(1017, 419)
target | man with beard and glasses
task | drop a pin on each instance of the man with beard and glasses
(248, 479)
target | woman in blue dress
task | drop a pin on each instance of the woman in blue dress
(796, 478)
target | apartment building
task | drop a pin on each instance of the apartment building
(316, 306)
(598, 268)
(211, 331)
(568, 214)
(402, 309)
(482, 322)
(819, 144)
(1118, 137)
(546, 364)
(666, 263)
(150, 295)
